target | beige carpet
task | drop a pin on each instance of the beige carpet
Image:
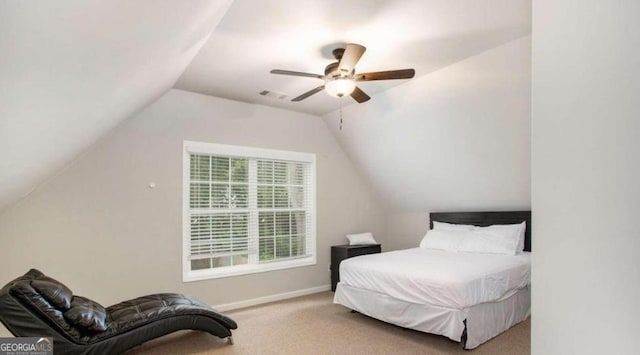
(314, 325)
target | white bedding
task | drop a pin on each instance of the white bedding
(440, 278)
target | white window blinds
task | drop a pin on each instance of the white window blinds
(246, 212)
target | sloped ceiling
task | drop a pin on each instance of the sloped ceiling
(456, 139)
(72, 70)
(257, 36)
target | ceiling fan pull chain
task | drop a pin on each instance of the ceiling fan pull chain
(341, 114)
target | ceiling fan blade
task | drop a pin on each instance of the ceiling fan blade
(359, 95)
(308, 93)
(350, 57)
(386, 75)
(296, 73)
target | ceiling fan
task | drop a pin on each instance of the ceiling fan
(340, 77)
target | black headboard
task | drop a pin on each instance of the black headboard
(483, 219)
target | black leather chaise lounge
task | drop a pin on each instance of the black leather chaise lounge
(35, 305)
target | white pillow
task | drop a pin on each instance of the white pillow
(452, 227)
(361, 238)
(516, 231)
(447, 240)
(523, 231)
(484, 240)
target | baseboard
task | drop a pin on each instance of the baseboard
(271, 298)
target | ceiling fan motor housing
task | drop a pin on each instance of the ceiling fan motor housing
(332, 71)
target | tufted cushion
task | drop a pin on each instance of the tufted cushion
(54, 291)
(22, 288)
(142, 310)
(87, 314)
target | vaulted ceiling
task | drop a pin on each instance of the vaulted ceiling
(257, 36)
(71, 70)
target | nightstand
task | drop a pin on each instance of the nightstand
(341, 252)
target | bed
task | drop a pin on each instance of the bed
(467, 297)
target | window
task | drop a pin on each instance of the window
(246, 210)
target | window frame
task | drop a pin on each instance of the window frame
(189, 275)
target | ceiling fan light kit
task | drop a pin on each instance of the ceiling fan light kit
(340, 78)
(339, 87)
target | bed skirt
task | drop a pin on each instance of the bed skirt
(483, 321)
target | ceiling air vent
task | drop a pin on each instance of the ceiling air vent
(274, 94)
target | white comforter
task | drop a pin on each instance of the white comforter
(426, 276)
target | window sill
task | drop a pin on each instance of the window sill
(199, 275)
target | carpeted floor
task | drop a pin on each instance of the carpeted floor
(314, 325)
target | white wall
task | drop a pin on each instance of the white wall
(99, 228)
(455, 139)
(585, 177)
(70, 71)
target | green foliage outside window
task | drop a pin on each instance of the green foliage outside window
(222, 183)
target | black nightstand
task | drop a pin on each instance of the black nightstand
(341, 252)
